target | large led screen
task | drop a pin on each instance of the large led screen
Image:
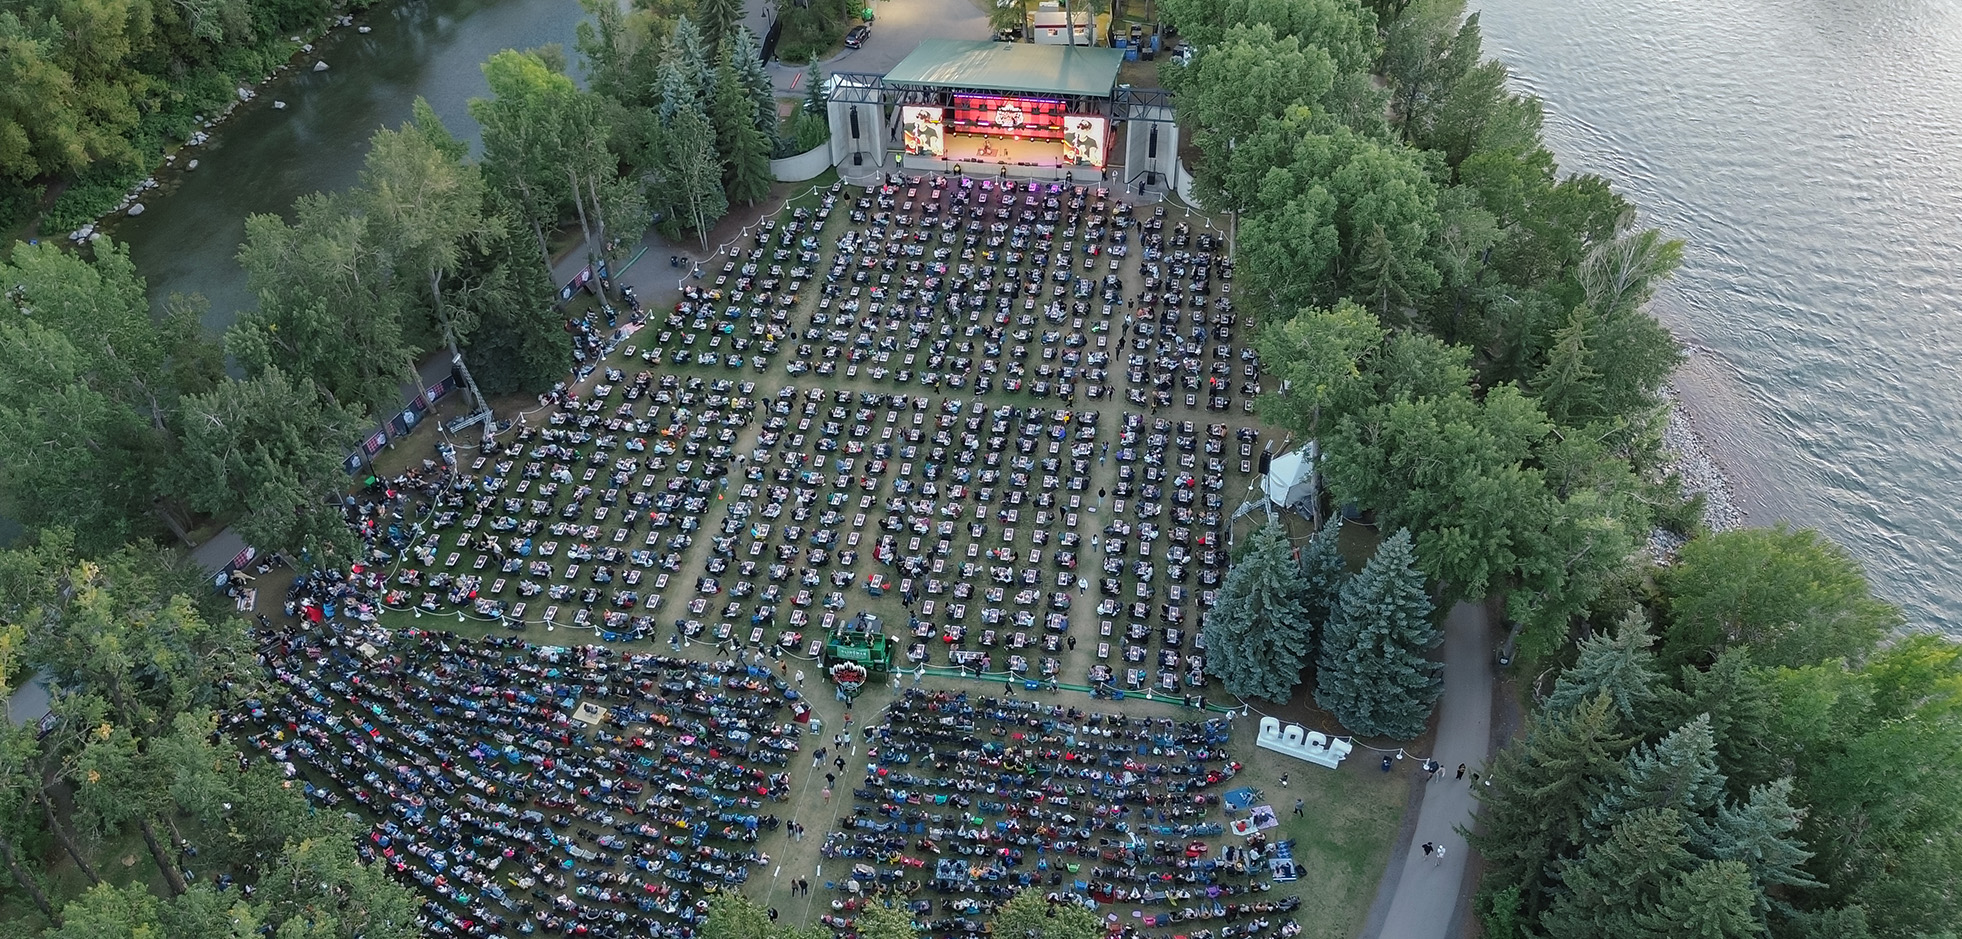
(1035, 118)
(1085, 140)
(923, 130)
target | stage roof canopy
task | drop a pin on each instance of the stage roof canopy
(1021, 67)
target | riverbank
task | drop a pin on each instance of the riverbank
(302, 50)
(1689, 459)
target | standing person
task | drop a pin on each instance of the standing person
(1284, 780)
(919, 672)
(800, 678)
(1298, 807)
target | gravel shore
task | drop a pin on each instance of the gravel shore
(1691, 460)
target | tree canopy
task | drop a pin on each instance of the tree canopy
(1259, 635)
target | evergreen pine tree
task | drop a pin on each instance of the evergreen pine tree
(1759, 834)
(1620, 666)
(1374, 674)
(1323, 572)
(744, 149)
(1615, 887)
(1737, 695)
(748, 63)
(1679, 773)
(1257, 634)
(814, 100)
(1543, 788)
(720, 20)
(1711, 901)
(685, 76)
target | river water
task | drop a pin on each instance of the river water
(1810, 152)
(261, 159)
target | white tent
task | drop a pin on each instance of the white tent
(1291, 477)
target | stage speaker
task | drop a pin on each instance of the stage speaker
(1266, 460)
(1151, 146)
(854, 123)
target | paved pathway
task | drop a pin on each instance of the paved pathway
(898, 26)
(1425, 891)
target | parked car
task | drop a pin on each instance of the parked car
(857, 36)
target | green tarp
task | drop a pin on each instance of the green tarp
(1021, 67)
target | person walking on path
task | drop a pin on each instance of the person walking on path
(1429, 848)
(1440, 855)
(919, 672)
(800, 678)
(1461, 771)
(827, 793)
(1298, 807)
(829, 779)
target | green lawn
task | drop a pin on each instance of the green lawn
(1344, 839)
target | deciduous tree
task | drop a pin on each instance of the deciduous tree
(1789, 594)
(271, 447)
(1030, 914)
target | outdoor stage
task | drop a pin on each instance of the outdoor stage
(979, 155)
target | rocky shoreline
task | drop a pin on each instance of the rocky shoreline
(1700, 473)
(131, 204)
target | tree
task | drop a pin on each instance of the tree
(720, 21)
(271, 446)
(318, 884)
(1789, 594)
(1619, 666)
(1375, 675)
(110, 912)
(1258, 635)
(20, 788)
(1030, 914)
(89, 387)
(1252, 77)
(734, 916)
(1760, 835)
(1454, 470)
(328, 307)
(520, 343)
(1710, 901)
(1616, 886)
(814, 95)
(1342, 28)
(1323, 572)
(747, 60)
(744, 148)
(885, 921)
(693, 173)
(429, 207)
(1677, 774)
(1739, 698)
(1543, 788)
(686, 73)
(526, 138)
(618, 47)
